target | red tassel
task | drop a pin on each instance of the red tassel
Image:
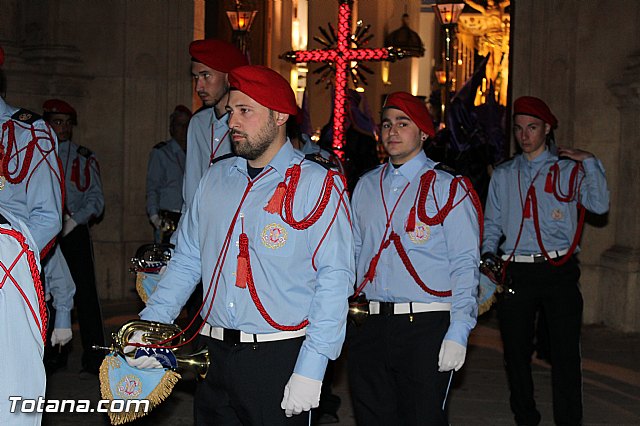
(274, 205)
(527, 209)
(241, 272)
(411, 220)
(548, 185)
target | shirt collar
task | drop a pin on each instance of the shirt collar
(411, 168)
(539, 160)
(280, 162)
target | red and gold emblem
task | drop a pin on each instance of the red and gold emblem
(421, 234)
(274, 236)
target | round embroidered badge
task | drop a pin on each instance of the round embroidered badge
(556, 214)
(421, 234)
(129, 387)
(274, 236)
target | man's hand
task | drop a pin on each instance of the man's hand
(60, 336)
(155, 221)
(68, 225)
(451, 356)
(574, 153)
(300, 394)
(143, 361)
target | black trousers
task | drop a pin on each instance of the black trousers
(554, 291)
(393, 372)
(245, 384)
(78, 252)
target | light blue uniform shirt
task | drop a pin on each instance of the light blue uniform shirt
(83, 198)
(21, 344)
(59, 283)
(201, 144)
(36, 200)
(558, 220)
(286, 282)
(165, 175)
(446, 257)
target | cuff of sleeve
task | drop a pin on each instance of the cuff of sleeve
(311, 364)
(81, 218)
(458, 333)
(63, 318)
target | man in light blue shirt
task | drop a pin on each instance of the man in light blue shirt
(417, 252)
(208, 134)
(536, 201)
(165, 176)
(84, 202)
(276, 261)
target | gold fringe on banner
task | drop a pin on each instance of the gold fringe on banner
(140, 276)
(159, 394)
(486, 305)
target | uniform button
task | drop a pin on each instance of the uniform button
(395, 189)
(231, 304)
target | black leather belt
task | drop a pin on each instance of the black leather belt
(386, 308)
(231, 337)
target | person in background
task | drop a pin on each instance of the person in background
(536, 202)
(165, 176)
(84, 203)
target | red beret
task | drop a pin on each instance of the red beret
(266, 87)
(1, 56)
(183, 109)
(217, 54)
(414, 108)
(58, 106)
(529, 105)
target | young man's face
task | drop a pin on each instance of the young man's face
(531, 134)
(62, 124)
(401, 137)
(253, 126)
(210, 85)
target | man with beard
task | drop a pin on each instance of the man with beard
(276, 260)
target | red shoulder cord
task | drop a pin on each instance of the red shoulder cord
(18, 174)
(427, 183)
(35, 274)
(75, 173)
(552, 185)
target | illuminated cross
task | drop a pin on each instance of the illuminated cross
(341, 56)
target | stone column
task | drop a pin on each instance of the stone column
(619, 279)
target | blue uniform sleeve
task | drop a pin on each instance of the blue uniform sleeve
(93, 201)
(154, 182)
(182, 274)
(60, 285)
(44, 192)
(492, 219)
(594, 193)
(334, 263)
(462, 237)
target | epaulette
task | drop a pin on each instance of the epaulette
(222, 157)
(159, 145)
(26, 116)
(317, 158)
(84, 151)
(445, 168)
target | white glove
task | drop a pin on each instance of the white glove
(300, 394)
(60, 336)
(156, 221)
(68, 225)
(143, 361)
(451, 356)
